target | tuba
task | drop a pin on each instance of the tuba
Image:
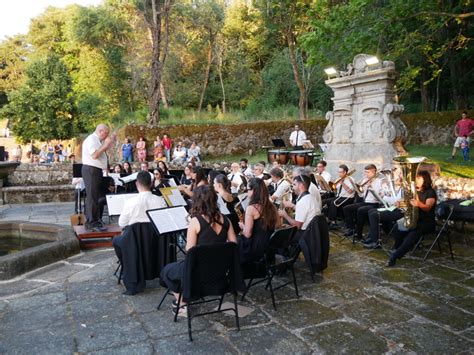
(409, 167)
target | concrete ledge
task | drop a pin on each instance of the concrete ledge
(37, 194)
(62, 244)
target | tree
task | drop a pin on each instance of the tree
(43, 107)
(157, 17)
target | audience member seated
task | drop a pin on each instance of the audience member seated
(224, 196)
(159, 182)
(179, 154)
(135, 212)
(261, 219)
(207, 226)
(306, 207)
(425, 201)
(194, 153)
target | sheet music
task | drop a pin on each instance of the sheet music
(169, 219)
(173, 197)
(172, 183)
(129, 178)
(116, 203)
(222, 205)
(116, 178)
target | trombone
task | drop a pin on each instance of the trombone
(341, 200)
(333, 185)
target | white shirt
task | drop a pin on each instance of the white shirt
(248, 172)
(377, 187)
(281, 187)
(179, 153)
(341, 192)
(325, 175)
(297, 138)
(91, 144)
(135, 209)
(235, 178)
(314, 192)
(305, 210)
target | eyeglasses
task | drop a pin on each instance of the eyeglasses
(157, 173)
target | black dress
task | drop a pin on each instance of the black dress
(172, 274)
(253, 248)
(156, 189)
(233, 217)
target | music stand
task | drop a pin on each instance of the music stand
(77, 170)
(278, 143)
(170, 221)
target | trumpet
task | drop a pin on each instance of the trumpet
(333, 185)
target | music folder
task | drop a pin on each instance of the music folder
(168, 220)
(173, 196)
(77, 170)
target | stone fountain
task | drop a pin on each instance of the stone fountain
(364, 126)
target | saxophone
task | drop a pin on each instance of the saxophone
(409, 167)
(238, 211)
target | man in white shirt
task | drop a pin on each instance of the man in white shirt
(313, 190)
(135, 209)
(258, 171)
(305, 209)
(321, 170)
(278, 186)
(236, 178)
(356, 215)
(245, 168)
(94, 160)
(297, 137)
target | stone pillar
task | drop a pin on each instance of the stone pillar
(364, 126)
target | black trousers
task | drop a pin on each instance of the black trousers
(357, 214)
(405, 241)
(386, 218)
(92, 177)
(332, 210)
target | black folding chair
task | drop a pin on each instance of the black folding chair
(210, 270)
(272, 264)
(442, 229)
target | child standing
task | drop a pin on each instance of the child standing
(465, 148)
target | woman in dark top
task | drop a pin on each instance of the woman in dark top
(207, 226)
(159, 182)
(425, 202)
(199, 179)
(163, 167)
(261, 219)
(224, 196)
(186, 178)
(127, 169)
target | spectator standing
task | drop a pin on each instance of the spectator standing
(17, 153)
(141, 150)
(127, 151)
(167, 142)
(50, 152)
(464, 127)
(157, 148)
(465, 148)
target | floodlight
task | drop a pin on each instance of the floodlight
(372, 60)
(330, 71)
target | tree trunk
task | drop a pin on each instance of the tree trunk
(163, 96)
(303, 114)
(158, 23)
(425, 100)
(207, 72)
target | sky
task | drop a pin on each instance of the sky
(15, 15)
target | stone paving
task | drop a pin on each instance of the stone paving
(356, 306)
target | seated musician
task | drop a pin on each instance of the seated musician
(199, 179)
(159, 182)
(425, 201)
(236, 178)
(278, 186)
(222, 188)
(321, 170)
(258, 170)
(306, 207)
(261, 219)
(297, 137)
(313, 190)
(207, 226)
(356, 214)
(162, 165)
(245, 168)
(145, 167)
(383, 218)
(345, 195)
(186, 178)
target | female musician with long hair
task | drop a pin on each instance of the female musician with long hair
(207, 226)
(159, 182)
(199, 176)
(224, 196)
(425, 201)
(162, 165)
(261, 219)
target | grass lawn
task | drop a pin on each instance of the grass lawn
(437, 154)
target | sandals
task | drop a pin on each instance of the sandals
(182, 312)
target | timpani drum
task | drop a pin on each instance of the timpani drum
(281, 156)
(301, 157)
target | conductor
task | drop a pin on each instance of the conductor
(94, 161)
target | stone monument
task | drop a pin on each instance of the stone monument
(364, 126)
